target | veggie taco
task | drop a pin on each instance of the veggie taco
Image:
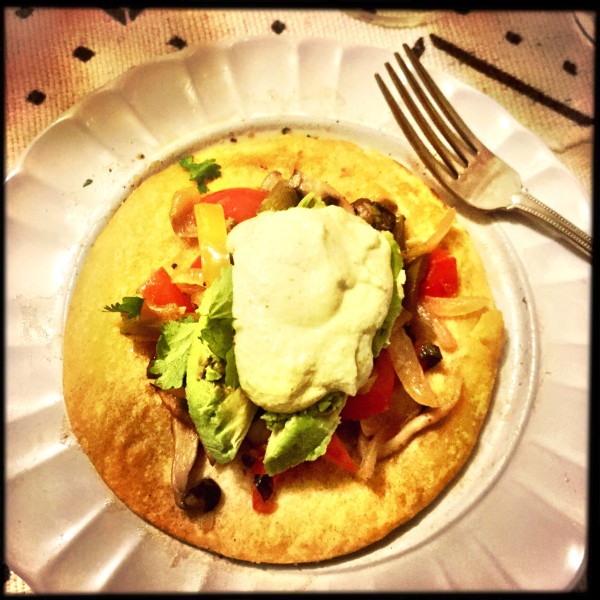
(281, 348)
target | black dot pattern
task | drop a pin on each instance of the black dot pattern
(278, 27)
(83, 54)
(134, 12)
(24, 12)
(177, 42)
(121, 14)
(513, 38)
(570, 67)
(36, 97)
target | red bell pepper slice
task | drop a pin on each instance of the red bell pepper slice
(265, 507)
(337, 454)
(238, 203)
(258, 466)
(377, 399)
(159, 290)
(441, 275)
(197, 264)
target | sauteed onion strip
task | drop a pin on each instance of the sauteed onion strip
(383, 443)
(415, 249)
(454, 307)
(408, 368)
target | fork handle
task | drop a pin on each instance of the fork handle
(524, 202)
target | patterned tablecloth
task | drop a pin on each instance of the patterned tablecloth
(538, 65)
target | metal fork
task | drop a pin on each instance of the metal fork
(463, 165)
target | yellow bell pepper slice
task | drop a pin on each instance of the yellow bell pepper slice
(212, 239)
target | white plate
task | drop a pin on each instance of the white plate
(516, 518)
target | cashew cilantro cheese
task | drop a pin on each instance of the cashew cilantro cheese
(312, 287)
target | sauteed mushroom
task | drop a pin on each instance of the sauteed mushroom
(202, 496)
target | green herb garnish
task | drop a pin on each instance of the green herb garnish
(172, 352)
(203, 172)
(130, 306)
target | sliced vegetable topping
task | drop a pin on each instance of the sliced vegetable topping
(301, 436)
(238, 205)
(375, 214)
(441, 275)
(418, 248)
(337, 454)
(281, 197)
(408, 368)
(212, 237)
(377, 399)
(159, 290)
(455, 307)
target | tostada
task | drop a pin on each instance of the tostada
(280, 348)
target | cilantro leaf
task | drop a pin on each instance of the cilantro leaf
(172, 352)
(217, 306)
(130, 306)
(202, 172)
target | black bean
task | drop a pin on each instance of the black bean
(247, 459)
(264, 485)
(204, 496)
(429, 355)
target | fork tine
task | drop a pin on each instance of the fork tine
(453, 117)
(435, 116)
(418, 116)
(415, 141)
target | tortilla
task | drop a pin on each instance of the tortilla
(323, 511)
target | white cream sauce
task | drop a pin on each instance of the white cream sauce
(311, 286)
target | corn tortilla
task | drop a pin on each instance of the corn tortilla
(122, 426)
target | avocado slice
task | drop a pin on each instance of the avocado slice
(302, 436)
(222, 415)
(382, 336)
(220, 410)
